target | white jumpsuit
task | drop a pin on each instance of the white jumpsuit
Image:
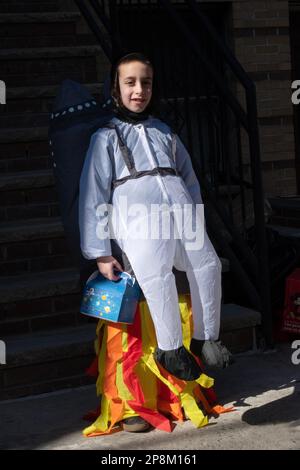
(150, 144)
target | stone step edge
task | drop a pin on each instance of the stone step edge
(39, 285)
(235, 317)
(291, 203)
(51, 52)
(285, 231)
(44, 91)
(31, 229)
(39, 347)
(39, 17)
(30, 345)
(26, 180)
(23, 134)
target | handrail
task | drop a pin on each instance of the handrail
(101, 13)
(226, 52)
(232, 101)
(86, 13)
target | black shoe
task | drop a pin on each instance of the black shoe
(179, 362)
(212, 353)
(135, 424)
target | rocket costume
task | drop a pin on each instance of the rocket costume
(128, 380)
(146, 164)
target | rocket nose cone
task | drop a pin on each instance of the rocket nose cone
(70, 93)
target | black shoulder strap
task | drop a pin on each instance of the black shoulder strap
(129, 161)
(174, 151)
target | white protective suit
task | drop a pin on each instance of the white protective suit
(151, 145)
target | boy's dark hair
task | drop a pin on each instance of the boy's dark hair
(114, 75)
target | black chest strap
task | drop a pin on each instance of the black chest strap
(129, 161)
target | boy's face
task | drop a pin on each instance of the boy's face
(135, 80)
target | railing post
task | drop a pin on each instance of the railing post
(117, 48)
(258, 201)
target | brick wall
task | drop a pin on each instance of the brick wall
(262, 45)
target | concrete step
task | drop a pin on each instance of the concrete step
(26, 180)
(21, 160)
(50, 360)
(39, 301)
(24, 148)
(280, 204)
(39, 17)
(32, 248)
(235, 317)
(42, 29)
(238, 327)
(285, 220)
(47, 361)
(54, 71)
(31, 229)
(51, 53)
(46, 91)
(14, 6)
(38, 285)
(50, 65)
(292, 233)
(51, 40)
(285, 206)
(285, 211)
(40, 200)
(23, 120)
(17, 209)
(29, 134)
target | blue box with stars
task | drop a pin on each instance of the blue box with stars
(114, 301)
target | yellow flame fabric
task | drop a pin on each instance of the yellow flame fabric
(131, 383)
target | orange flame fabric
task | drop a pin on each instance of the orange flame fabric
(131, 383)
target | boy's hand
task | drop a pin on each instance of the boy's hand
(106, 266)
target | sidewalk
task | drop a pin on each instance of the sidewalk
(264, 388)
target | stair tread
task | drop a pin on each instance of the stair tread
(38, 285)
(18, 119)
(30, 229)
(290, 202)
(50, 52)
(42, 345)
(28, 6)
(237, 315)
(39, 17)
(44, 91)
(288, 232)
(23, 134)
(234, 317)
(27, 179)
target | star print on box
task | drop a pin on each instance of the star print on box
(111, 300)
